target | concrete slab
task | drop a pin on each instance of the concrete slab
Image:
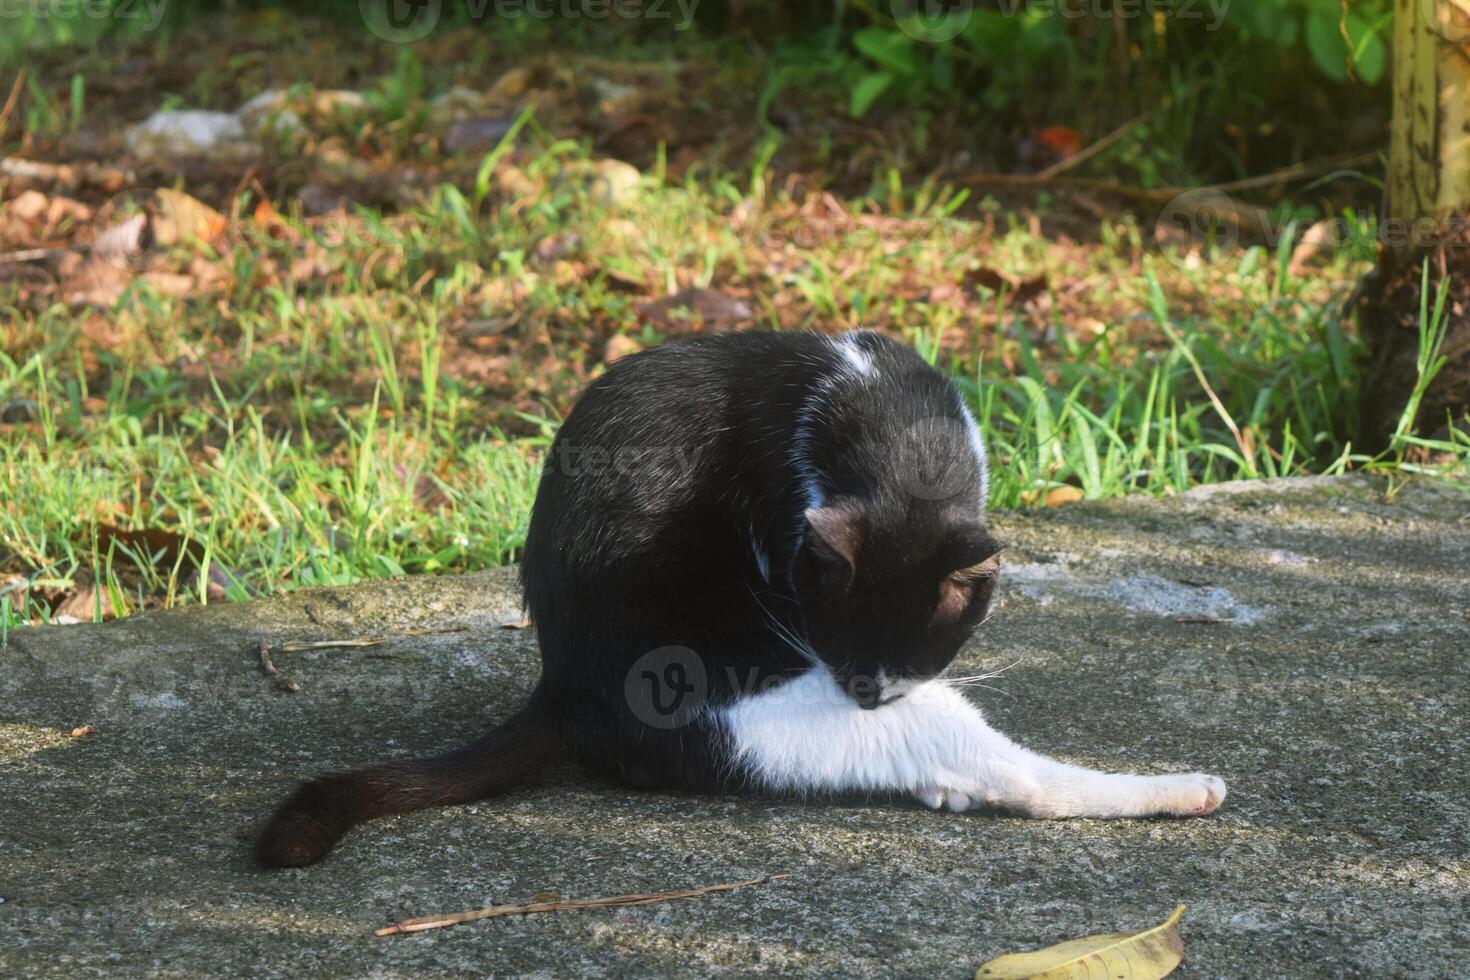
(1307, 640)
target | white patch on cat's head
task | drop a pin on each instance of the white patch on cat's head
(857, 359)
(977, 444)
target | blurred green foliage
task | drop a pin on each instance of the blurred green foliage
(1221, 88)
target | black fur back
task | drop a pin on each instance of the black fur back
(671, 511)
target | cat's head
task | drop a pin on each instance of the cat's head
(890, 600)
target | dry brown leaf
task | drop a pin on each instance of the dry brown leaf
(986, 277)
(162, 549)
(619, 346)
(620, 283)
(179, 219)
(28, 206)
(1016, 291)
(84, 606)
(92, 281)
(693, 308)
(170, 284)
(511, 85)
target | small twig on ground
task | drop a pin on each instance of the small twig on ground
(283, 681)
(1202, 620)
(1160, 195)
(67, 176)
(298, 646)
(1297, 171)
(34, 254)
(9, 107)
(614, 901)
(1091, 150)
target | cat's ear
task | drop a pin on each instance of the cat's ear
(979, 558)
(971, 585)
(834, 536)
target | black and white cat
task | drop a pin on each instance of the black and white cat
(751, 559)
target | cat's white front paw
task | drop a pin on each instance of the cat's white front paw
(940, 798)
(1194, 794)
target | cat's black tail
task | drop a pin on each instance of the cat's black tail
(316, 816)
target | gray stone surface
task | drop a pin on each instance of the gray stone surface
(1334, 701)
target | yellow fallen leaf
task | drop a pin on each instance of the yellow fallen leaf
(1146, 955)
(1062, 496)
(179, 219)
(1052, 497)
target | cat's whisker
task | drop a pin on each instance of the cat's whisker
(985, 676)
(798, 644)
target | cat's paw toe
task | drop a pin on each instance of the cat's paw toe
(942, 798)
(1202, 795)
(957, 802)
(930, 796)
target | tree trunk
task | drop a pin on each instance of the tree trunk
(1426, 217)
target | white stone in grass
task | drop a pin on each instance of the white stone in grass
(172, 134)
(268, 116)
(615, 184)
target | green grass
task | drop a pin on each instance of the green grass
(320, 427)
(390, 495)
